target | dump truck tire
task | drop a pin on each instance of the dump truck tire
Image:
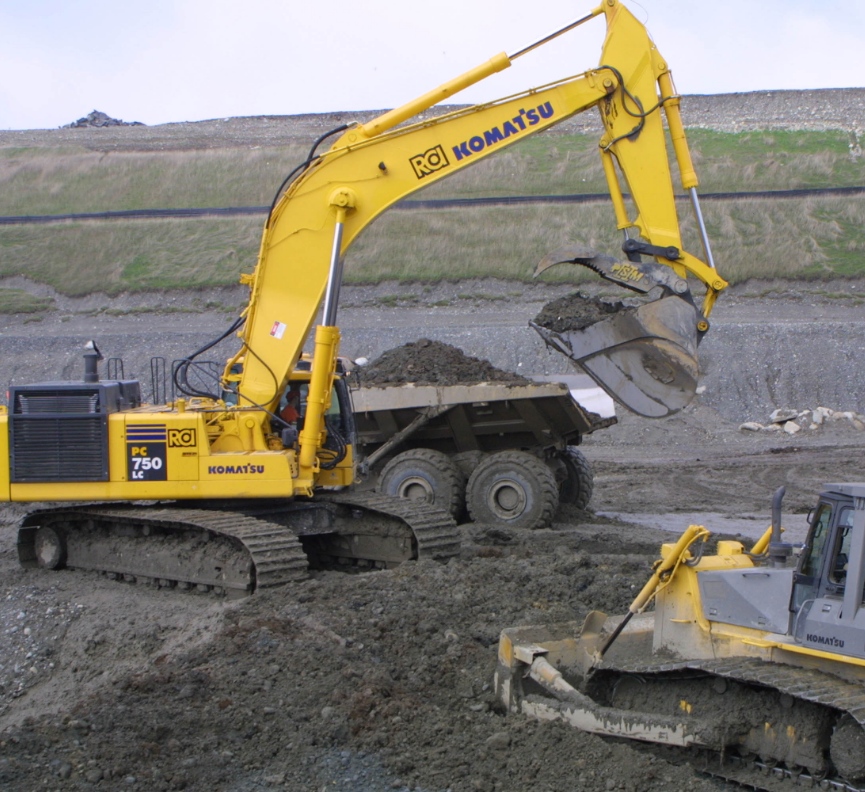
(513, 488)
(576, 489)
(422, 474)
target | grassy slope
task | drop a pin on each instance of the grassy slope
(752, 238)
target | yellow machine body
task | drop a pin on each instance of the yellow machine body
(749, 653)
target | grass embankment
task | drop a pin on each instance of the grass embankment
(752, 238)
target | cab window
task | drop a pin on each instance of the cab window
(841, 549)
(812, 558)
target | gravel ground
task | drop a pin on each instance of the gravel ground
(772, 344)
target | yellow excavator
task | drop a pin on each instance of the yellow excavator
(753, 660)
(249, 485)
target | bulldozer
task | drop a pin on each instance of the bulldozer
(753, 660)
(224, 488)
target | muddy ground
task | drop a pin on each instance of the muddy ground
(377, 681)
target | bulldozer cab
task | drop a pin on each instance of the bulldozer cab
(828, 599)
(824, 562)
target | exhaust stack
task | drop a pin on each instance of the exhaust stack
(92, 356)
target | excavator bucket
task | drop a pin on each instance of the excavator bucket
(643, 356)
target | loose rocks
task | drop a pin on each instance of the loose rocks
(794, 421)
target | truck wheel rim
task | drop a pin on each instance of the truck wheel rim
(507, 499)
(416, 488)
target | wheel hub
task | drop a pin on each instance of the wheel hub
(416, 488)
(507, 499)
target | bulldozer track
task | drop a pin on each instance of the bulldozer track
(805, 684)
(763, 777)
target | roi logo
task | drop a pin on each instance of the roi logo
(430, 161)
(181, 438)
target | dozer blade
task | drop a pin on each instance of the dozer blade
(644, 357)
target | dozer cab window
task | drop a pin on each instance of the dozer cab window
(837, 572)
(813, 556)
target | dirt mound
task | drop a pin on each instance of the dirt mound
(426, 362)
(574, 312)
(97, 118)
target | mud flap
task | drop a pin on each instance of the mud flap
(644, 357)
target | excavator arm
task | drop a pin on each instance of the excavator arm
(373, 165)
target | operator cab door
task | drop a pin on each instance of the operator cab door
(806, 581)
(339, 419)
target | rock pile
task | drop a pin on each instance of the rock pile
(794, 421)
(97, 118)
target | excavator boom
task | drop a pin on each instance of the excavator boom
(374, 165)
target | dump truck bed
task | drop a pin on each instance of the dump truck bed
(478, 417)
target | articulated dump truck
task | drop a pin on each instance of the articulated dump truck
(505, 453)
(753, 661)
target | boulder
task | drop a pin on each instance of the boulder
(750, 426)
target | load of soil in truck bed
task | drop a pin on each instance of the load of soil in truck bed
(426, 362)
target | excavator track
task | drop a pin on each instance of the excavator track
(208, 550)
(232, 552)
(435, 532)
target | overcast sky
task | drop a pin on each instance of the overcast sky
(186, 60)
